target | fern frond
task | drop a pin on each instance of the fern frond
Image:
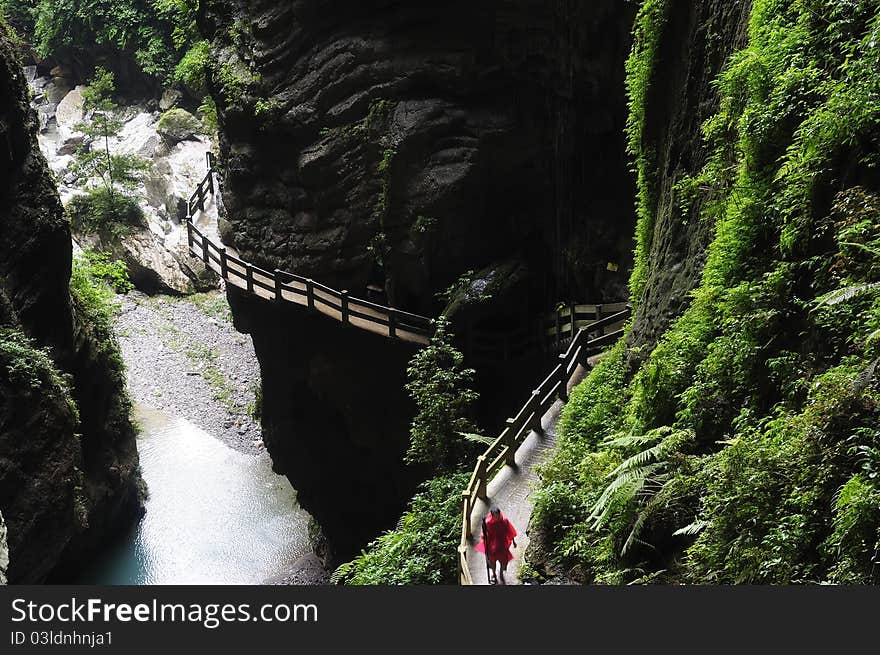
(477, 438)
(629, 482)
(846, 294)
(342, 571)
(691, 529)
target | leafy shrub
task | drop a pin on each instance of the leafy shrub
(101, 268)
(27, 366)
(155, 34)
(423, 549)
(441, 388)
(99, 212)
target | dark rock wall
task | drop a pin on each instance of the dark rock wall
(68, 462)
(402, 144)
(698, 37)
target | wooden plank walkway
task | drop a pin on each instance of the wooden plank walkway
(281, 286)
(511, 490)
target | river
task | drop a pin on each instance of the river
(214, 515)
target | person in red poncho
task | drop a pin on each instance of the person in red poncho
(498, 535)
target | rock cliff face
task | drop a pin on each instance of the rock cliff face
(401, 144)
(68, 462)
(697, 39)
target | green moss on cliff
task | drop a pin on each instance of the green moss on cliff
(746, 447)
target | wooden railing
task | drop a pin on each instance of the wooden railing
(549, 333)
(587, 341)
(282, 286)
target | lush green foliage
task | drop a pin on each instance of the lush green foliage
(27, 366)
(156, 33)
(746, 448)
(101, 268)
(19, 14)
(91, 290)
(441, 388)
(105, 207)
(423, 547)
(99, 212)
(639, 69)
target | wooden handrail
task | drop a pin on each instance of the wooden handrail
(280, 285)
(526, 419)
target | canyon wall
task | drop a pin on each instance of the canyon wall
(68, 463)
(401, 145)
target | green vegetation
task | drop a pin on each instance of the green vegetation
(26, 366)
(101, 268)
(178, 125)
(106, 208)
(95, 306)
(423, 547)
(441, 388)
(212, 304)
(746, 448)
(639, 74)
(155, 34)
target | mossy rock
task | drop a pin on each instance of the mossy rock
(177, 125)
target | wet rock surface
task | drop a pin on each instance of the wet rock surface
(68, 463)
(400, 146)
(156, 254)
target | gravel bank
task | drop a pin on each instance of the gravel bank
(184, 357)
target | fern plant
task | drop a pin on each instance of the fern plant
(640, 478)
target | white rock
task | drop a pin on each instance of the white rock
(70, 110)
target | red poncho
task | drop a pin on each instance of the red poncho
(499, 536)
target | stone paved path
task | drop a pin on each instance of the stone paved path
(511, 491)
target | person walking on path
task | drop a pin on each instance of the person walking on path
(498, 535)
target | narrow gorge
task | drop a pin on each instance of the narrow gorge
(634, 246)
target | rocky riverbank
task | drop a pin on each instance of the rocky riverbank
(184, 357)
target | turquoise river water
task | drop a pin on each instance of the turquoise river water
(214, 515)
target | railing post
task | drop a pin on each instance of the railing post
(201, 191)
(392, 323)
(310, 293)
(558, 327)
(249, 275)
(224, 272)
(466, 513)
(343, 301)
(536, 420)
(510, 457)
(563, 378)
(205, 251)
(189, 234)
(209, 156)
(278, 295)
(573, 317)
(481, 478)
(599, 313)
(210, 180)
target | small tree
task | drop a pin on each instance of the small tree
(441, 388)
(108, 175)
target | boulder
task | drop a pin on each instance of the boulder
(70, 110)
(57, 89)
(70, 145)
(177, 125)
(170, 98)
